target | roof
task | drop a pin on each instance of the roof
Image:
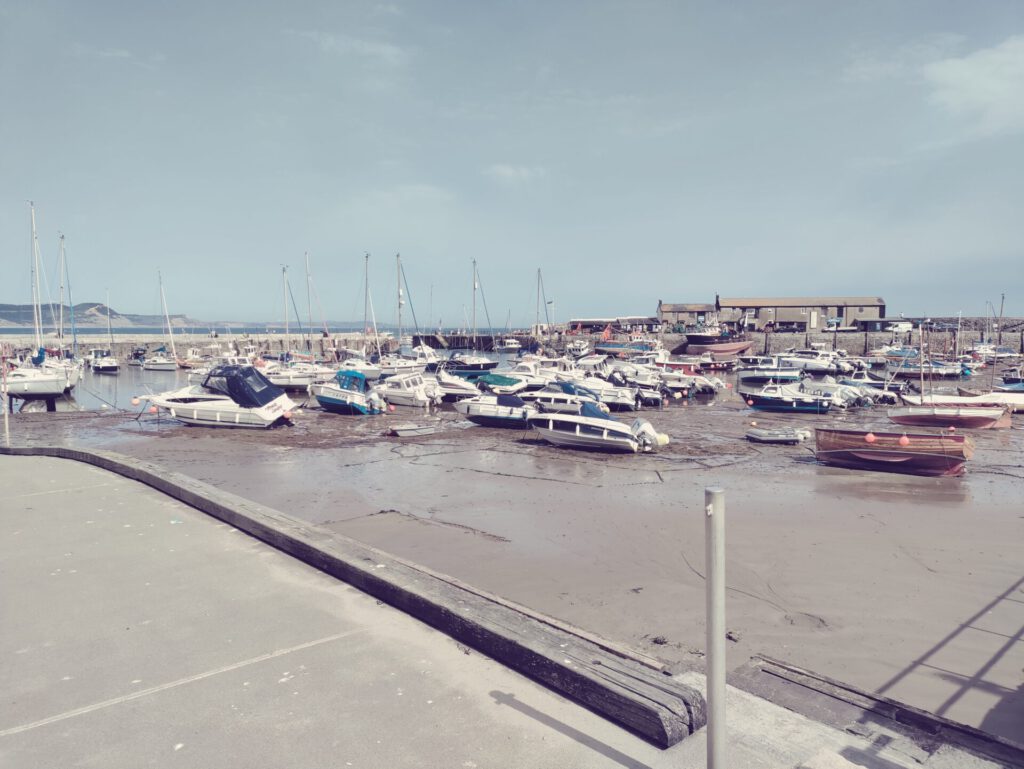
(666, 307)
(806, 301)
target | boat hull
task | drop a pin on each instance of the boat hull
(199, 416)
(490, 420)
(488, 414)
(36, 385)
(928, 455)
(792, 405)
(348, 407)
(613, 442)
(720, 348)
(963, 418)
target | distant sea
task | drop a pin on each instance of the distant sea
(196, 331)
(203, 331)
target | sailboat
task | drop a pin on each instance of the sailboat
(159, 361)
(937, 413)
(470, 364)
(393, 365)
(102, 361)
(67, 360)
(508, 343)
(33, 380)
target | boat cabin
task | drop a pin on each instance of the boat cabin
(243, 384)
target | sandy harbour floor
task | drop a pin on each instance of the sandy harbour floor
(911, 587)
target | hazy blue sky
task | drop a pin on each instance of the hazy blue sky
(634, 151)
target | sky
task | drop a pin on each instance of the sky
(632, 151)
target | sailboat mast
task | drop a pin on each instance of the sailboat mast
(921, 359)
(60, 330)
(474, 304)
(110, 333)
(37, 315)
(366, 298)
(309, 305)
(536, 321)
(401, 301)
(167, 315)
(284, 296)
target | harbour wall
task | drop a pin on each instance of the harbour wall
(764, 343)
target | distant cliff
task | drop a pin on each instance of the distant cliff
(87, 314)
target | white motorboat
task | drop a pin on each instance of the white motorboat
(577, 348)
(409, 390)
(469, 364)
(159, 362)
(230, 396)
(816, 361)
(562, 397)
(489, 410)
(613, 396)
(453, 388)
(530, 373)
(102, 361)
(297, 375)
(397, 365)
(594, 430)
(508, 344)
(930, 369)
(369, 370)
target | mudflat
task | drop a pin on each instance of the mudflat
(910, 587)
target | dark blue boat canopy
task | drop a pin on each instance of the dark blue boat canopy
(243, 384)
(511, 401)
(592, 410)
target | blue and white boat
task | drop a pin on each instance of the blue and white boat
(348, 393)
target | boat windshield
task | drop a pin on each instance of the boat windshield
(243, 384)
(588, 409)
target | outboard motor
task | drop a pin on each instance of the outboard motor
(647, 436)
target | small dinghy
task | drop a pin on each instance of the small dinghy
(410, 430)
(785, 435)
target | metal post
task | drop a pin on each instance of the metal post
(714, 564)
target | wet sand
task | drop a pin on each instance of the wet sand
(911, 587)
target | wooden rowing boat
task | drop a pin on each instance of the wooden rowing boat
(911, 453)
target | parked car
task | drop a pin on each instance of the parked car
(902, 327)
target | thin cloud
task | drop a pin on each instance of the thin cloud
(902, 63)
(386, 54)
(79, 49)
(510, 174)
(117, 54)
(984, 86)
(387, 9)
